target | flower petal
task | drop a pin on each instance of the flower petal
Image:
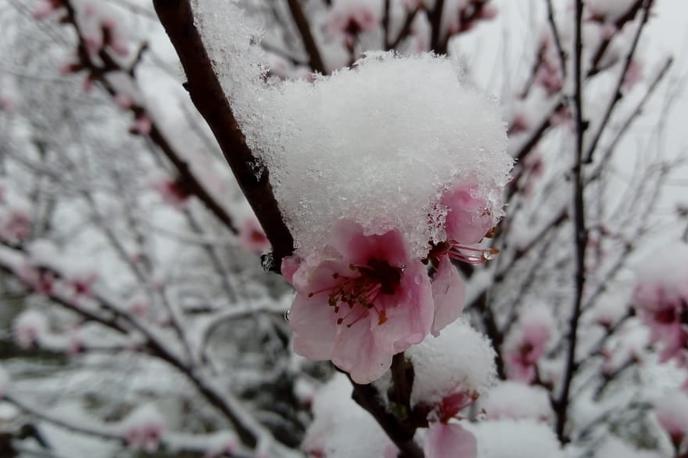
(448, 293)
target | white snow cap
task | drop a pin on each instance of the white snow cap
(513, 400)
(515, 439)
(460, 358)
(376, 143)
(342, 429)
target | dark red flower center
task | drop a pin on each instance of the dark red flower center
(360, 291)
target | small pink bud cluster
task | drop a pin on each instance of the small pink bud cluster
(525, 346)
(364, 299)
(549, 75)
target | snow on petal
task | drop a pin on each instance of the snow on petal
(459, 360)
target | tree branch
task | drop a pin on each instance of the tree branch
(210, 100)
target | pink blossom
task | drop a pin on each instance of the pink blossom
(173, 192)
(364, 301)
(15, 225)
(6, 103)
(448, 293)
(124, 101)
(113, 39)
(45, 8)
(350, 18)
(549, 77)
(450, 440)
(525, 347)
(83, 283)
(142, 125)
(519, 124)
(663, 310)
(469, 216)
(252, 236)
(634, 74)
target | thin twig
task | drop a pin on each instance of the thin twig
(580, 232)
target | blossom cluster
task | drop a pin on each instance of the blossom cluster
(365, 298)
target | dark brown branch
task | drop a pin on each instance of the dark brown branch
(385, 24)
(314, 58)
(436, 25)
(580, 232)
(400, 430)
(210, 100)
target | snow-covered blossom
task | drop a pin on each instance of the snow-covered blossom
(366, 163)
(661, 299)
(143, 428)
(671, 412)
(515, 439)
(361, 303)
(451, 370)
(29, 327)
(342, 429)
(515, 401)
(525, 346)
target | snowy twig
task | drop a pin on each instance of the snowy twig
(314, 57)
(580, 231)
(557, 37)
(616, 96)
(187, 178)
